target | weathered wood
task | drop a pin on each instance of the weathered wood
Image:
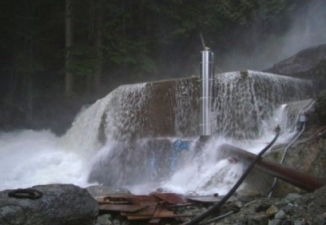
(287, 174)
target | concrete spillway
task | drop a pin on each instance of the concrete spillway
(241, 102)
(138, 124)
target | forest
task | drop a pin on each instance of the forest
(57, 55)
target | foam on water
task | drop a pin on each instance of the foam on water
(205, 172)
(30, 157)
(35, 157)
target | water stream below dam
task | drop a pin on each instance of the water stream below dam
(109, 144)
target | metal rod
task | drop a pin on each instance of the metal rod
(202, 40)
(207, 73)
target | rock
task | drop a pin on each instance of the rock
(280, 215)
(272, 210)
(292, 196)
(105, 219)
(54, 204)
(309, 64)
(300, 62)
(319, 220)
(99, 190)
(260, 218)
(275, 222)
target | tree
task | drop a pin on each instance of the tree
(69, 44)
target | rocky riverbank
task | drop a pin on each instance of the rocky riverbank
(293, 209)
(289, 205)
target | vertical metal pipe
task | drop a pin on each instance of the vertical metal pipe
(207, 73)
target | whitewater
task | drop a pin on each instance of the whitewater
(30, 157)
(247, 108)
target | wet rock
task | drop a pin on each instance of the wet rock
(272, 210)
(280, 214)
(258, 219)
(54, 204)
(309, 64)
(99, 190)
(275, 222)
(319, 220)
(105, 219)
(300, 62)
(292, 196)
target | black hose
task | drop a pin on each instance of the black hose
(25, 193)
(215, 208)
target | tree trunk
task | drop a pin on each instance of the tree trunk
(69, 42)
(98, 47)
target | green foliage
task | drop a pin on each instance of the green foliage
(26, 64)
(143, 37)
(83, 60)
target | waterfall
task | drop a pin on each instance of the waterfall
(245, 100)
(247, 105)
(110, 118)
(184, 95)
(129, 137)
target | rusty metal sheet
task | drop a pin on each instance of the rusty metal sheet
(125, 199)
(156, 213)
(164, 213)
(146, 213)
(170, 198)
(143, 207)
(112, 200)
(121, 208)
(143, 199)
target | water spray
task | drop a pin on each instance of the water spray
(216, 207)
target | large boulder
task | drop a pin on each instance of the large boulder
(303, 61)
(309, 64)
(55, 204)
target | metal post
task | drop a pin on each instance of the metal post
(207, 73)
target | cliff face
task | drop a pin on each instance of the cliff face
(303, 61)
(308, 153)
(308, 64)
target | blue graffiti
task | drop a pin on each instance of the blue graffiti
(177, 147)
(180, 145)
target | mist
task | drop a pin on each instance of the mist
(307, 29)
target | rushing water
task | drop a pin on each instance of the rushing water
(37, 157)
(97, 147)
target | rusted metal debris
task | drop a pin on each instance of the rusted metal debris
(153, 207)
(158, 206)
(287, 174)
